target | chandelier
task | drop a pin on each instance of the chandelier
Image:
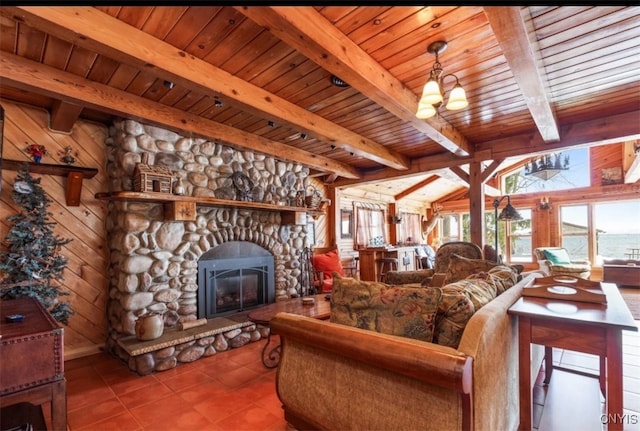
(433, 92)
(547, 166)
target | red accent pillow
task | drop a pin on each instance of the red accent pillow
(328, 263)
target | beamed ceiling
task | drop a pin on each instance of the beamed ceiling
(538, 79)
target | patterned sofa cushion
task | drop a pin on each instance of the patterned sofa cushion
(394, 310)
(462, 298)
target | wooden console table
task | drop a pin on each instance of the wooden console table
(580, 326)
(32, 359)
(320, 309)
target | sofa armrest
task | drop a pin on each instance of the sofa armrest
(581, 262)
(441, 366)
(333, 376)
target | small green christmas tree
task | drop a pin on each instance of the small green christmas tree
(32, 265)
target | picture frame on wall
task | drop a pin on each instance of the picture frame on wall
(346, 224)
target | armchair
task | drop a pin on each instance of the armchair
(436, 276)
(556, 261)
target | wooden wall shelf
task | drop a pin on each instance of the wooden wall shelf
(183, 208)
(74, 174)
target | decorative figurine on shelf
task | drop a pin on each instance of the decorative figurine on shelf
(37, 152)
(68, 158)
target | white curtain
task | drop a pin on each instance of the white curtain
(410, 228)
(370, 226)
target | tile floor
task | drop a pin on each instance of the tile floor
(233, 391)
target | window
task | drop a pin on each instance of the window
(520, 249)
(575, 230)
(409, 231)
(617, 230)
(370, 225)
(450, 228)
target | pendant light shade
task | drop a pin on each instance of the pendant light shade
(457, 98)
(425, 110)
(433, 91)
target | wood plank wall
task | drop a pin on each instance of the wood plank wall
(85, 277)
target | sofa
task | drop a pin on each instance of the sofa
(334, 375)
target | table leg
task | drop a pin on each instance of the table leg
(270, 358)
(614, 380)
(548, 364)
(603, 375)
(59, 406)
(524, 359)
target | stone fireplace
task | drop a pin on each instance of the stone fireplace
(154, 262)
(234, 276)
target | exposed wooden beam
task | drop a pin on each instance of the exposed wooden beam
(604, 130)
(63, 116)
(417, 186)
(97, 31)
(490, 170)
(306, 30)
(29, 75)
(463, 175)
(509, 28)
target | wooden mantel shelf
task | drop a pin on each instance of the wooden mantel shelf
(74, 174)
(184, 207)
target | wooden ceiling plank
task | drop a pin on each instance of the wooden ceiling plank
(509, 28)
(309, 32)
(95, 30)
(72, 89)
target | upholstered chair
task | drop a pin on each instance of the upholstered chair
(437, 275)
(556, 261)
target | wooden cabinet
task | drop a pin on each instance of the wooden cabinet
(32, 359)
(622, 275)
(369, 269)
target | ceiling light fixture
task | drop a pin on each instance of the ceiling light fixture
(547, 166)
(338, 82)
(433, 92)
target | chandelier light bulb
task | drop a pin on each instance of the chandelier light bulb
(425, 110)
(434, 91)
(431, 93)
(457, 98)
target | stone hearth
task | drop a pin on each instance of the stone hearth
(153, 262)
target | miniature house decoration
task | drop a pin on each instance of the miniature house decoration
(152, 178)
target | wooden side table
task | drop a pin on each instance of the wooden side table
(32, 359)
(580, 326)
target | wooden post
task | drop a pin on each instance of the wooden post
(476, 203)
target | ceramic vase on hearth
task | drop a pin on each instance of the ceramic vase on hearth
(149, 326)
